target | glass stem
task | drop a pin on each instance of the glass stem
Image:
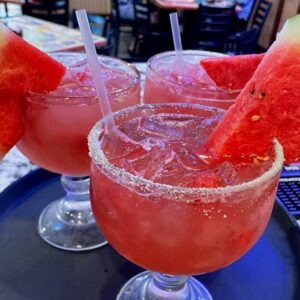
(163, 286)
(75, 207)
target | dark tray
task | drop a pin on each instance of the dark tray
(31, 269)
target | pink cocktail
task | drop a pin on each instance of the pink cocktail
(55, 138)
(165, 204)
(168, 81)
(57, 124)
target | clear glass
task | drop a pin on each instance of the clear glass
(176, 231)
(161, 87)
(55, 138)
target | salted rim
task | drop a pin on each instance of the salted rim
(136, 79)
(127, 179)
(199, 53)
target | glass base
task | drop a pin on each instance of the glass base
(58, 229)
(144, 287)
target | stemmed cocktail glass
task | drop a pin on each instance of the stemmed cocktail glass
(55, 138)
(167, 206)
(167, 82)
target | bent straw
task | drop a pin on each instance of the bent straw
(176, 39)
(95, 68)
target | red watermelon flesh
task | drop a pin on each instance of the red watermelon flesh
(231, 72)
(23, 68)
(269, 105)
(10, 121)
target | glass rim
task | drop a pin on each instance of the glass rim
(133, 181)
(190, 52)
(135, 79)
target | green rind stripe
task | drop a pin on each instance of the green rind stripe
(291, 30)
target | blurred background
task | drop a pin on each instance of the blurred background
(136, 29)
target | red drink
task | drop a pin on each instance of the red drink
(55, 138)
(57, 124)
(168, 82)
(150, 204)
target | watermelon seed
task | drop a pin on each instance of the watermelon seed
(255, 161)
(255, 118)
(263, 158)
(262, 95)
(252, 92)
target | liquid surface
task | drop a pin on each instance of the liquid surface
(169, 148)
(79, 75)
(168, 82)
(190, 75)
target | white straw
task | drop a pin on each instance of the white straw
(176, 39)
(95, 68)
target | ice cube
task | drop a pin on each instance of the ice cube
(192, 75)
(208, 124)
(152, 142)
(250, 171)
(77, 76)
(118, 146)
(188, 159)
(168, 126)
(227, 172)
(174, 174)
(207, 179)
(130, 131)
(152, 163)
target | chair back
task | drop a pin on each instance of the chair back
(3, 14)
(97, 23)
(142, 12)
(115, 13)
(56, 11)
(260, 15)
(122, 11)
(151, 36)
(244, 42)
(208, 28)
(100, 25)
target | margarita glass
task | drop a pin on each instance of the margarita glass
(166, 205)
(55, 138)
(167, 81)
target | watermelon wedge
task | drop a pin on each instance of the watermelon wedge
(23, 68)
(269, 105)
(231, 72)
